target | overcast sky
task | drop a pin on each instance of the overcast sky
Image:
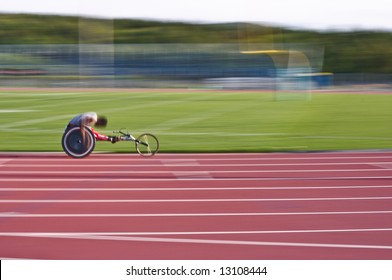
(309, 14)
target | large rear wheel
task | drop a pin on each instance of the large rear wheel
(77, 144)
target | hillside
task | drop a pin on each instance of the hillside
(345, 52)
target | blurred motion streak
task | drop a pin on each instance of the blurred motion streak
(143, 65)
(56, 51)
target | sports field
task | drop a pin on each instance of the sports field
(188, 120)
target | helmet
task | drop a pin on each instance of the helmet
(101, 121)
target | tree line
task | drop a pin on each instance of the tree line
(356, 51)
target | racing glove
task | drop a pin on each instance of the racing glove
(113, 139)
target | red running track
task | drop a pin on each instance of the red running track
(279, 206)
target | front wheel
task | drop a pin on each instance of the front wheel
(147, 145)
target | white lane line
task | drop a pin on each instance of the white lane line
(68, 215)
(188, 200)
(383, 165)
(175, 157)
(162, 179)
(198, 241)
(350, 230)
(178, 162)
(3, 162)
(240, 242)
(201, 188)
(191, 173)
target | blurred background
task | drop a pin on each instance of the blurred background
(76, 51)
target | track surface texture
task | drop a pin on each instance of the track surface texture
(279, 206)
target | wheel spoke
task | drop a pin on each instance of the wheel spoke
(147, 145)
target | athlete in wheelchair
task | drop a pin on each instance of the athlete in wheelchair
(79, 136)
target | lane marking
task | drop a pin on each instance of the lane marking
(189, 156)
(384, 165)
(240, 242)
(3, 162)
(191, 173)
(200, 241)
(175, 162)
(163, 179)
(201, 188)
(187, 200)
(379, 165)
(24, 215)
(33, 234)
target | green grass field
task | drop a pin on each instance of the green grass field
(200, 121)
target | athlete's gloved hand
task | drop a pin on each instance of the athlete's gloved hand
(113, 139)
